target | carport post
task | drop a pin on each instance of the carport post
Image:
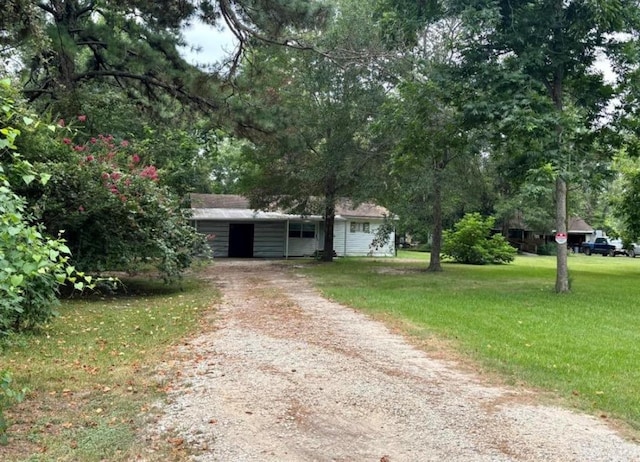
(286, 241)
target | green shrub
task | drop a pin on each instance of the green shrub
(32, 265)
(471, 242)
(548, 249)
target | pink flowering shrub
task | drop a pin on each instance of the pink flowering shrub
(115, 214)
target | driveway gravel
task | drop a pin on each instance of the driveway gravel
(287, 375)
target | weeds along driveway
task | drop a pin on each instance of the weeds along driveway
(286, 375)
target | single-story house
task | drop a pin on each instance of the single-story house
(528, 240)
(237, 231)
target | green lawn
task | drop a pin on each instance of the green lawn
(583, 346)
(93, 373)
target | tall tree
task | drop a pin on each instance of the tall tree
(540, 56)
(309, 121)
(66, 45)
(433, 149)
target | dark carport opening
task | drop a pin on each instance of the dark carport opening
(241, 240)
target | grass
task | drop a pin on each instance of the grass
(93, 373)
(583, 346)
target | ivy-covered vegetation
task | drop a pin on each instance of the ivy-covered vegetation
(32, 264)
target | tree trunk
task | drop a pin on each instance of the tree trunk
(436, 238)
(329, 220)
(562, 268)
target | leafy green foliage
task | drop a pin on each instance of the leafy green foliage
(8, 396)
(114, 213)
(628, 204)
(471, 242)
(32, 265)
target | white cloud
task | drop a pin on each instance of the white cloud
(206, 44)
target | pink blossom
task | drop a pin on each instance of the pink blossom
(124, 143)
(150, 172)
(135, 158)
(79, 148)
(123, 198)
(105, 176)
(81, 209)
(93, 141)
(116, 176)
(90, 158)
(66, 140)
(82, 118)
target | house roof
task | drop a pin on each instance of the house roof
(577, 225)
(244, 214)
(218, 201)
(235, 207)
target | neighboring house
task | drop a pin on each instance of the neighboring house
(527, 240)
(578, 231)
(237, 231)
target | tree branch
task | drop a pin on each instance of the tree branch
(147, 80)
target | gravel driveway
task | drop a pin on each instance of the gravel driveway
(287, 375)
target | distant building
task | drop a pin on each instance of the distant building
(237, 231)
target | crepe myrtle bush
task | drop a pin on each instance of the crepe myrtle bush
(471, 242)
(116, 215)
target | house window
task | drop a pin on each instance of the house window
(305, 230)
(359, 227)
(309, 230)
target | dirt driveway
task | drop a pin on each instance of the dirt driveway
(287, 375)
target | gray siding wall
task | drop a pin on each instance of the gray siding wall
(268, 238)
(220, 243)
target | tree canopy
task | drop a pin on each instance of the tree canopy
(533, 62)
(132, 46)
(309, 118)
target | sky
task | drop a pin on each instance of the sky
(214, 44)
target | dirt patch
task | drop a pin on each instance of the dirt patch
(287, 375)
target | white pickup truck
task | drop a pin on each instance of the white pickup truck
(631, 250)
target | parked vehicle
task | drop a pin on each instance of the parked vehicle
(600, 246)
(633, 250)
(620, 249)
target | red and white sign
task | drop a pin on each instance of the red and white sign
(561, 238)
